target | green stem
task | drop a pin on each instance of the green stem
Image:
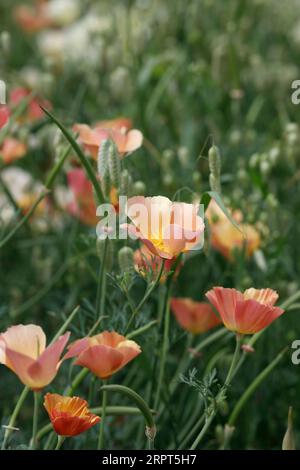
(214, 408)
(141, 404)
(101, 287)
(234, 361)
(84, 161)
(60, 441)
(146, 296)
(35, 420)
(253, 386)
(14, 416)
(141, 330)
(211, 338)
(164, 351)
(102, 423)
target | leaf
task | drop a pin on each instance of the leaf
(205, 200)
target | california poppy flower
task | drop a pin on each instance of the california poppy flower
(120, 123)
(4, 115)
(23, 350)
(195, 317)
(226, 238)
(69, 416)
(103, 354)
(11, 150)
(127, 141)
(167, 228)
(82, 204)
(248, 312)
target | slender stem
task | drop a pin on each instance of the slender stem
(234, 361)
(211, 338)
(35, 420)
(101, 287)
(146, 296)
(252, 387)
(14, 416)
(164, 351)
(102, 422)
(76, 382)
(60, 441)
(214, 408)
(142, 329)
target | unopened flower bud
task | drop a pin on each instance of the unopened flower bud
(114, 165)
(288, 442)
(214, 160)
(102, 165)
(138, 188)
(126, 182)
(126, 261)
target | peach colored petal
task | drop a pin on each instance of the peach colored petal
(76, 348)
(252, 316)
(30, 340)
(224, 300)
(19, 364)
(263, 296)
(196, 317)
(45, 368)
(134, 140)
(103, 361)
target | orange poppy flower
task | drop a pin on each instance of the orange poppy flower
(167, 228)
(248, 312)
(103, 354)
(195, 317)
(69, 416)
(127, 141)
(11, 150)
(23, 350)
(4, 115)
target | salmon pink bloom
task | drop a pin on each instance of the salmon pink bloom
(195, 317)
(245, 313)
(226, 239)
(127, 141)
(83, 204)
(23, 350)
(4, 115)
(103, 354)
(167, 228)
(69, 416)
(11, 150)
(120, 123)
(33, 111)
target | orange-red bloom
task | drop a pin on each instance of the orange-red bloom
(195, 317)
(4, 115)
(69, 416)
(103, 354)
(11, 150)
(167, 228)
(245, 313)
(120, 123)
(226, 238)
(23, 350)
(127, 141)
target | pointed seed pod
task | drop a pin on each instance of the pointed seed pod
(114, 165)
(102, 166)
(214, 161)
